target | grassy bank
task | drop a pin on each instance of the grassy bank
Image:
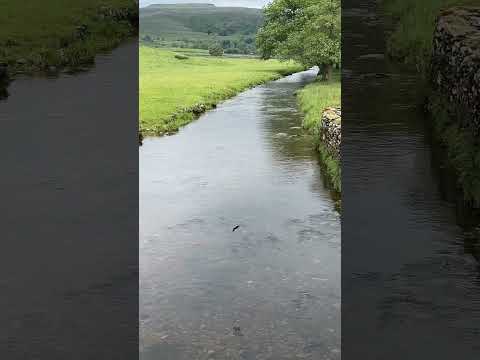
(413, 28)
(38, 35)
(174, 91)
(411, 43)
(463, 147)
(313, 99)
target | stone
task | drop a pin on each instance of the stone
(455, 64)
(330, 131)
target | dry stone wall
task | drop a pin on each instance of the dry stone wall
(330, 131)
(455, 70)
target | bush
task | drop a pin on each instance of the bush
(215, 50)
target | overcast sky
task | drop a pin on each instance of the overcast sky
(241, 3)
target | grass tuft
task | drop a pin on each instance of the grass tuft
(414, 26)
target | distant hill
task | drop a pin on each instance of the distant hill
(199, 25)
(239, 3)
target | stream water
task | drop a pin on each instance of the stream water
(270, 289)
(411, 282)
(69, 213)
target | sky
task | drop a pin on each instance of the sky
(240, 3)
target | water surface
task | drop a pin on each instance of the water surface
(69, 208)
(277, 277)
(411, 279)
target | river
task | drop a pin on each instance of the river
(411, 279)
(270, 289)
(69, 212)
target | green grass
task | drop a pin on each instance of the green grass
(414, 25)
(40, 34)
(313, 99)
(174, 92)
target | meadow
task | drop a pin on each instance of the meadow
(313, 99)
(40, 34)
(173, 91)
(413, 28)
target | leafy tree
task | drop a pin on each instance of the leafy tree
(215, 50)
(308, 31)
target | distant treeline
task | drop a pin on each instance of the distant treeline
(233, 45)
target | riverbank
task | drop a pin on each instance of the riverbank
(39, 36)
(175, 90)
(413, 26)
(441, 38)
(313, 100)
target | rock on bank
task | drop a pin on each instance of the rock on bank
(456, 62)
(330, 131)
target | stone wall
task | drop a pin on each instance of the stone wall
(330, 131)
(455, 70)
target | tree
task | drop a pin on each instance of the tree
(308, 31)
(215, 50)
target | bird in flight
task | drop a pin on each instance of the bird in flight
(235, 227)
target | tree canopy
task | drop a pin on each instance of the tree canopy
(308, 31)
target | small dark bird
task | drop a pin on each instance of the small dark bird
(237, 331)
(235, 227)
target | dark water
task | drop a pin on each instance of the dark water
(278, 276)
(69, 211)
(413, 284)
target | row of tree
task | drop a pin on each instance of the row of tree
(308, 31)
(239, 45)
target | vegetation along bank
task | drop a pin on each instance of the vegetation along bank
(176, 88)
(51, 34)
(442, 38)
(320, 102)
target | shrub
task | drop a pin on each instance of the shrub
(215, 50)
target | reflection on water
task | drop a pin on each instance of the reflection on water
(413, 276)
(62, 210)
(269, 290)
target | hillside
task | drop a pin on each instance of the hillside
(199, 25)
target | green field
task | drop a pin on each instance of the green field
(40, 34)
(313, 99)
(414, 25)
(173, 92)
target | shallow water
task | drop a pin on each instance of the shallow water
(277, 277)
(411, 276)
